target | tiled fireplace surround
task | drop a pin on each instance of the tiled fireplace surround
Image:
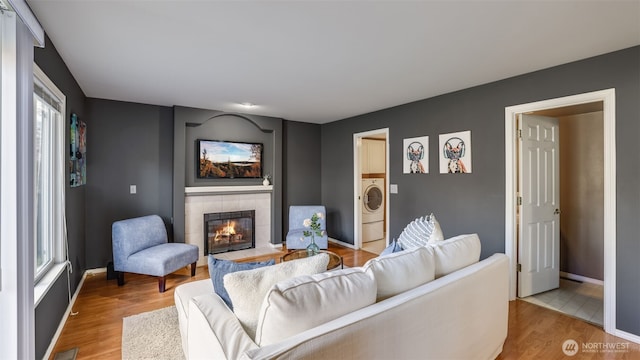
(212, 199)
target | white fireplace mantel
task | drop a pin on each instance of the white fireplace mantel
(200, 200)
(210, 190)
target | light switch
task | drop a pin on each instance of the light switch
(132, 189)
(394, 188)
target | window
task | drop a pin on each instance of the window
(49, 173)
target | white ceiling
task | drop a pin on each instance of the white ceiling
(320, 61)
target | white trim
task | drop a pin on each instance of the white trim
(589, 280)
(26, 193)
(10, 298)
(48, 276)
(60, 181)
(357, 186)
(608, 98)
(68, 312)
(627, 336)
(50, 86)
(95, 271)
(342, 243)
(46, 282)
(29, 19)
(207, 190)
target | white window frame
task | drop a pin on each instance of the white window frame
(51, 271)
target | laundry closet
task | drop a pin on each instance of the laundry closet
(373, 168)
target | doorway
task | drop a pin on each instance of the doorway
(371, 190)
(569, 278)
(607, 99)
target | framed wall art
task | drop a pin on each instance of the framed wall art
(228, 159)
(78, 152)
(416, 155)
(455, 153)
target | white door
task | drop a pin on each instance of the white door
(539, 230)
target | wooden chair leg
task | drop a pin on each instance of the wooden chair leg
(120, 277)
(161, 283)
(193, 269)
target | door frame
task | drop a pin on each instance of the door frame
(357, 185)
(511, 172)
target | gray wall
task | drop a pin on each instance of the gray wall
(127, 144)
(51, 309)
(302, 168)
(475, 202)
(582, 195)
(191, 124)
(132, 144)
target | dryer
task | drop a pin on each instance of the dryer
(372, 209)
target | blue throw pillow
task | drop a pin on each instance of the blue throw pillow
(392, 248)
(219, 268)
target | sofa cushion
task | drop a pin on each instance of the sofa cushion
(419, 232)
(392, 248)
(298, 304)
(247, 289)
(398, 272)
(160, 260)
(218, 268)
(455, 253)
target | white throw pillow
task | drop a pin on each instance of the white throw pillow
(401, 271)
(455, 253)
(248, 288)
(419, 232)
(295, 305)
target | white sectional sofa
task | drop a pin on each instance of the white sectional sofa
(391, 308)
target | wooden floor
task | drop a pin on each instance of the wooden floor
(538, 333)
(534, 332)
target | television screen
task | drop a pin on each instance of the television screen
(228, 159)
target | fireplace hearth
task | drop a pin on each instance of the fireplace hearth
(229, 231)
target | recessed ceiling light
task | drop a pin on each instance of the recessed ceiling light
(247, 105)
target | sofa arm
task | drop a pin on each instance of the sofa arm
(214, 331)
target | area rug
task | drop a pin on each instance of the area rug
(152, 335)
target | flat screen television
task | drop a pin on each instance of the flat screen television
(228, 159)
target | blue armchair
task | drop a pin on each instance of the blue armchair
(295, 237)
(140, 246)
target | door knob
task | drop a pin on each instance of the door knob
(556, 212)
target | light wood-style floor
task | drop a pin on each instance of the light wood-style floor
(534, 332)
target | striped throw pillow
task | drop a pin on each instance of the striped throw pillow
(421, 231)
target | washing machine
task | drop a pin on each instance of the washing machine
(372, 209)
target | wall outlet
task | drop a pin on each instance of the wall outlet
(132, 189)
(393, 188)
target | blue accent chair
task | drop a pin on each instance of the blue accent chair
(140, 246)
(295, 237)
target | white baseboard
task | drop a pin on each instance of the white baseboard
(95, 271)
(69, 310)
(627, 336)
(335, 241)
(581, 278)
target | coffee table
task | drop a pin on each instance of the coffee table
(335, 260)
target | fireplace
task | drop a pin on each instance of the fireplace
(229, 231)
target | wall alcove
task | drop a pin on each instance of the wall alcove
(191, 124)
(227, 127)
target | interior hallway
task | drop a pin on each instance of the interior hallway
(578, 299)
